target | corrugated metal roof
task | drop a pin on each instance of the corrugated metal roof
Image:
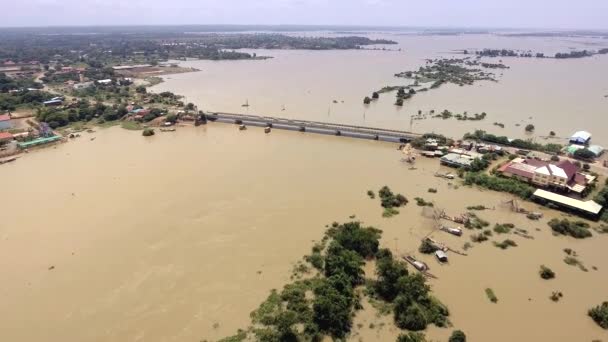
(588, 206)
(581, 135)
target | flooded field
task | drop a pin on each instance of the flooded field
(178, 237)
(554, 95)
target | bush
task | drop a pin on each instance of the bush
(600, 315)
(147, 132)
(411, 337)
(509, 185)
(577, 229)
(530, 128)
(546, 273)
(458, 336)
(371, 194)
(426, 247)
(503, 228)
(505, 244)
(491, 296)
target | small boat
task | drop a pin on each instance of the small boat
(451, 230)
(441, 256)
(246, 104)
(419, 265)
(242, 127)
(167, 129)
(267, 130)
(437, 245)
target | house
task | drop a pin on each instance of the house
(5, 122)
(5, 137)
(563, 175)
(581, 138)
(457, 160)
(596, 150)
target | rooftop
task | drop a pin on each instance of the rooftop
(586, 206)
(5, 117)
(5, 135)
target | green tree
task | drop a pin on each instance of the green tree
(458, 336)
(584, 154)
(529, 128)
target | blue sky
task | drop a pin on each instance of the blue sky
(581, 14)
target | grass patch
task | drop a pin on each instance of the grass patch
(505, 244)
(576, 229)
(504, 228)
(475, 222)
(131, 125)
(476, 207)
(390, 212)
(491, 295)
(479, 238)
(422, 203)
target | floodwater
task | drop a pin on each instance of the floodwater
(553, 95)
(179, 236)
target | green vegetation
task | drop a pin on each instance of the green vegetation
(600, 315)
(147, 132)
(479, 238)
(505, 244)
(371, 194)
(390, 201)
(491, 296)
(602, 198)
(458, 336)
(529, 128)
(421, 141)
(556, 296)
(426, 247)
(446, 114)
(576, 229)
(448, 70)
(509, 185)
(411, 337)
(422, 203)
(475, 222)
(414, 308)
(546, 273)
(503, 228)
(432, 190)
(367, 100)
(140, 45)
(477, 207)
(480, 135)
(131, 125)
(324, 305)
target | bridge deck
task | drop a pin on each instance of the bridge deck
(334, 127)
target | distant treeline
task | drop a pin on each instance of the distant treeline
(118, 48)
(528, 54)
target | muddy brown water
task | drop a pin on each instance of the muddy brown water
(553, 95)
(178, 237)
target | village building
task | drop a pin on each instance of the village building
(563, 175)
(457, 160)
(589, 208)
(580, 138)
(5, 122)
(5, 137)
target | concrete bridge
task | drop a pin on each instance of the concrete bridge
(314, 127)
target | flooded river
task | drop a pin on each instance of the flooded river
(553, 95)
(178, 237)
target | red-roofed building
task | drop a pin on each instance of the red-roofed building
(563, 175)
(5, 137)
